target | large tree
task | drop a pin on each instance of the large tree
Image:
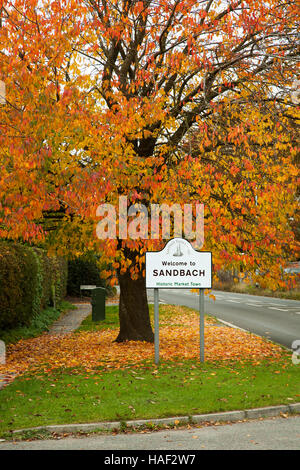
(101, 95)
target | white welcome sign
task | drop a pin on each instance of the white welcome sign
(178, 266)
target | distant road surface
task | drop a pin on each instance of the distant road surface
(270, 317)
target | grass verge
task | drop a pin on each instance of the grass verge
(171, 389)
(111, 321)
(37, 326)
(241, 288)
(129, 386)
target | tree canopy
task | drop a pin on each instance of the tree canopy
(162, 101)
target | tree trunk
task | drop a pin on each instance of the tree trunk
(133, 310)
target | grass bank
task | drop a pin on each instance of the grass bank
(167, 314)
(170, 389)
(241, 288)
(86, 377)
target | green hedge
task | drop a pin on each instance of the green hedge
(27, 277)
(60, 277)
(47, 278)
(84, 270)
(54, 278)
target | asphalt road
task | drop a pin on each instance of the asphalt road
(270, 317)
(267, 434)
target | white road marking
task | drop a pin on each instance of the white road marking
(281, 309)
(254, 305)
(177, 291)
(277, 305)
(235, 301)
(230, 324)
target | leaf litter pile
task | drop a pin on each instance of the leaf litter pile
(178, 339)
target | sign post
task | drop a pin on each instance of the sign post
(178, 266)
(201, 315)
(156, 325)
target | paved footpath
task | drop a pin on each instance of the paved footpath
(267, 434)
(71, 320)
(64, 325)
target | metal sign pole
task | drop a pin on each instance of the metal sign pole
(156, 325)
(196, 274)
(201, 310)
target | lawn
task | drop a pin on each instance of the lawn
(93, 344)
(86, 377)
(171, 389)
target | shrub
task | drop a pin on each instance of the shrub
(27, 278)
(84, 270)
(37, 326)
(20, 284)
(54, 277)
(59, 270)
(47, 278)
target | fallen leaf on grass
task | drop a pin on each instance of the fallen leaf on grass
(47, 353)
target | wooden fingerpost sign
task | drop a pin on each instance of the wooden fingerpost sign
(178, 266)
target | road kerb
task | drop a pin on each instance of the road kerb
(294, 408)
(267, 412)
(84, 427)
(160, 421)
(227, 416)
(230, 416)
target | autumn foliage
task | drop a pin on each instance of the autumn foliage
(179, 340)
(164, 102)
